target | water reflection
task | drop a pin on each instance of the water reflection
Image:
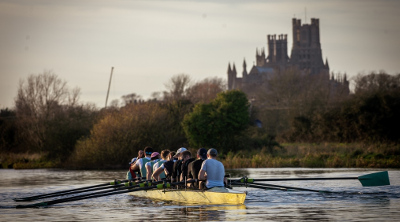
(317, 214)
(213, 213)
(237, 173)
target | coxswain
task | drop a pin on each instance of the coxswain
(140, 164)
(195, 166)
(212, 170)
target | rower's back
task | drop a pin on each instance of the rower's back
(215, 173)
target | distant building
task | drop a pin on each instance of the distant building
(306, 56)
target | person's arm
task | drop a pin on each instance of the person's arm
(174, 173)
(189, 173)
(184, 170)
(202, 175)
(156, 174)
(203, 170)
(148, 171)
(135, 166)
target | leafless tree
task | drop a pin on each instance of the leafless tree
(205, 90)
(376, 82)
(176, 87)
(131, 98)
(114, 103)
(39, 99)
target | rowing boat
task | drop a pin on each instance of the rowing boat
(216, 195)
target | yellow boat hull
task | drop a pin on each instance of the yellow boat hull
(212, 196)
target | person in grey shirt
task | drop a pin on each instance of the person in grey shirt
(212, 170)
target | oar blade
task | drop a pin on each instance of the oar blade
(375, 179)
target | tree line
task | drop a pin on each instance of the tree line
(48, 117)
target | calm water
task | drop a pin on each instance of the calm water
(352, 203)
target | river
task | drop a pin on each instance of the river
(350, 202)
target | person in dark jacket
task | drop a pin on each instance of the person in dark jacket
(177, 168)
(195, 166)
(186, 160)
(166, 167)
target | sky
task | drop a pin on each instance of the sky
(148, 42)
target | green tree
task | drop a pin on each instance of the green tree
(8, 130)
(219, 123)
(368, 115)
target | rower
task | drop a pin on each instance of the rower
(140, 164)
(212, 170)
(186, 159)
(177, 168)
(195, 166)
(166, 167)
(164, 158)
(130, 175)
(155, 157)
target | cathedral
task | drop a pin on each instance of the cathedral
(306, 56)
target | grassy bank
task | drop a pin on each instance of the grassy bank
(26, 161)
(318, 155)
(324, 155)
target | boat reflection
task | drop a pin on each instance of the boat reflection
(213, 212)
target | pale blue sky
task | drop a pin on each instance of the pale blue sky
(150, 41)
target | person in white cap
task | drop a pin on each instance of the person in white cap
(177, 168)
(212, 170)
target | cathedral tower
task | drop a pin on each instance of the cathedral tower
(306, 49)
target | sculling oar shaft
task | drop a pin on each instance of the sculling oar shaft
(74, 192)
(127, 189)
(258, 186)
(80, 197)
(82, 189)
(293, 188)
(373, 179)
(127, 185)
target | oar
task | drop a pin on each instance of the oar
(100, 194)
(373, 179)
(127, 185)
(292, 188)
(77, 190)
(257, 186)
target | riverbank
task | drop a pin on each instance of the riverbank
(332, 155)
(26, 161)
(323, 155)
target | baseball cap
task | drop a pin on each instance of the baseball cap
(179, 151)
(133, 160)
(154, 154)
(212, 152)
